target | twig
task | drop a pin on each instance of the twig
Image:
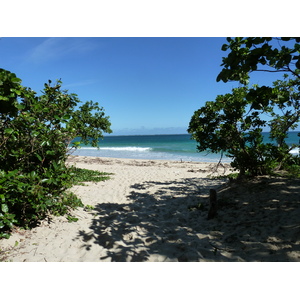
(219, 164)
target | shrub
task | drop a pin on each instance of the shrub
(35, 135)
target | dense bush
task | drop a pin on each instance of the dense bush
(35, 135)
(230, 126)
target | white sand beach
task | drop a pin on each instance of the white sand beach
(156, 211)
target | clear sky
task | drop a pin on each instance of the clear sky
(146, 85)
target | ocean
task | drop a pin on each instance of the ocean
(175, 147)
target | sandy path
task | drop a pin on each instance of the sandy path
(149, 211)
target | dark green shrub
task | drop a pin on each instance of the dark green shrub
(35, 135)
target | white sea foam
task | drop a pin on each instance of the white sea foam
(136, 149)
(145, 153)
(139, 149)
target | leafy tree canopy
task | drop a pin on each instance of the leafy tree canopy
(233, 123)
(259, 54)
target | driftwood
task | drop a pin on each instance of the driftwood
(213, 204)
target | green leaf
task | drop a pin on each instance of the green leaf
(15, 79)
(76, 144)
(72, 219)
(4, 208)
(50, 152)
(225, 47)
(39, 157)
(20, 106)
(8, 130)
(4, 235)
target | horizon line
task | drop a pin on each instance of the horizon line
(112, 134)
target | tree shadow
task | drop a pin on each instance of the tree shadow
(167, 221)
(264, 219)
(157, 220)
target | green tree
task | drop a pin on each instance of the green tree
(36, 133)
(234, 122)
(259, 54)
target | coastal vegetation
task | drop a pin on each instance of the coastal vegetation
(84, 175)
(36, 133)
(234, 122)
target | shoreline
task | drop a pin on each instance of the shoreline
(101, 159)
(146, 154)
(155, 211)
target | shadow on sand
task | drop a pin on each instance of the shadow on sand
(167, 221)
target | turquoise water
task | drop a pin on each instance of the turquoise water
(165, 147)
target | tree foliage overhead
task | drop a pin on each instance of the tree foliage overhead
(35, 135)
(233, 123)
(263, 54)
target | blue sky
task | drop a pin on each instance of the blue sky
(146, 85)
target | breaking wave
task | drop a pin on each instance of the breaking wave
(135, 149)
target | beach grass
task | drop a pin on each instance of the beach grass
(81, 175)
